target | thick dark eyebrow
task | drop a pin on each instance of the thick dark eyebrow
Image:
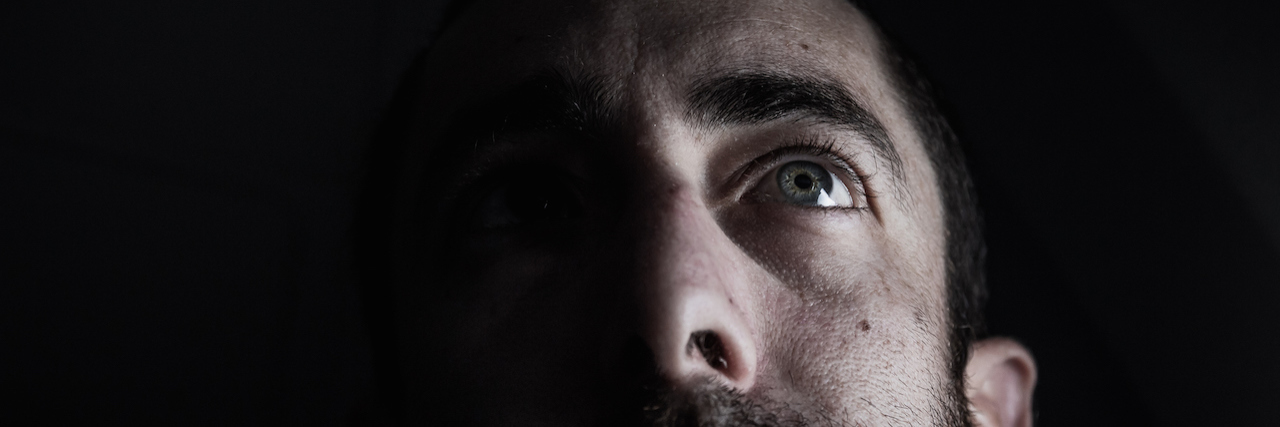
(551, 102)
(746, 98)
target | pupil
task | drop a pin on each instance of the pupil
(804, 182)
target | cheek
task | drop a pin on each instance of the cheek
(484, 300)
(809, 251)
(843, 350)
(845, 316)
(525, 335)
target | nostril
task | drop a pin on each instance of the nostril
(712, 349)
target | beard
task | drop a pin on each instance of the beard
(709, 404)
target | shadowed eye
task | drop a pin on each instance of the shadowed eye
(806, 183)
(528, 201)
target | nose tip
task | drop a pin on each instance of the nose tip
(696, 300)
(707, 338)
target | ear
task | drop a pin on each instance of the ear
(1000, 378)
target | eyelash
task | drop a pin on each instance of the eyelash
(812, 146)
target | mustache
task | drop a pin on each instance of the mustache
(709, 404)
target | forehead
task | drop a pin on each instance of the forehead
(654, 42)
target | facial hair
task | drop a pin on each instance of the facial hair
(709, 404)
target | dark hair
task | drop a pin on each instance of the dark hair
(966, 249)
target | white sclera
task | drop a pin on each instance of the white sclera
(839, 196)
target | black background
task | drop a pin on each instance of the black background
(178, 183)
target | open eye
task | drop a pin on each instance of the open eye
(805, 183)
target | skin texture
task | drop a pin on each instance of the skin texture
(823, 315)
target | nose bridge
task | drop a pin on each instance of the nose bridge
(693, 293)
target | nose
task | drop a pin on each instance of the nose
(695, 302)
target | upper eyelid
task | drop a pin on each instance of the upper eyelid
(805, 147)
(834, 155)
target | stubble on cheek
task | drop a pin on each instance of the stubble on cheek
(859, 343)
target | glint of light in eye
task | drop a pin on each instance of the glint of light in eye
(840, 196)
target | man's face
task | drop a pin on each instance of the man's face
(668, 209)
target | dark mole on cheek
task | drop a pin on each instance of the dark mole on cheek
(864, 325)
